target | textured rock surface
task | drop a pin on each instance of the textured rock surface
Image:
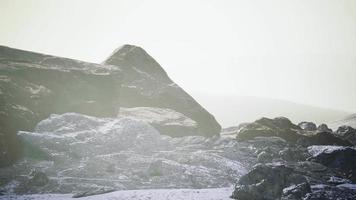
(166, 121)
(80, 153)
(347, 133)
(146, 84)
(32, 86)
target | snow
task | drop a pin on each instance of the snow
(315, 150)
(348, 186)
(163, 116)
(158, 194)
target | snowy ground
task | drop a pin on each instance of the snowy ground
(160, 194)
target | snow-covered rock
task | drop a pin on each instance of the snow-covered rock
(166, 121)
(79, 153)
(147, 84)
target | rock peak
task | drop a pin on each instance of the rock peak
(133, 56)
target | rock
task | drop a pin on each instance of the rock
(324, 128)
(307, 126)
(296, 192)
(326, 192)
(146, 84)
(33, 86)
(38, 178)
(166, 121)
(265, 127)
(348, 133)
(84, 153)
(323, 138)
(93, 192)
(32, 183)
(341, 158)
(264, 157)
(266, 182)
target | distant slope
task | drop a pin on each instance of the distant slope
(232, 110)
(348, 121)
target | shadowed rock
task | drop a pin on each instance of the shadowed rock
(146, 84)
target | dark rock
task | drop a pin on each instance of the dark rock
(307, 126)
(343, 159)
(265, 127)
(93, 192)
(296, 192)
(266, 182)
(146, 84)
(325, 192)
(323, 138)
(32, 183)
(38, 178)
(324, 128)
(347, 133)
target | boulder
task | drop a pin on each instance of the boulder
(146, 84)
(339, 158)
(265, 127)
(307, 126)
(267, 182)
(324, 128)
(347, 133)
(33, 86)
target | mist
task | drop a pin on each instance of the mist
(299, 51)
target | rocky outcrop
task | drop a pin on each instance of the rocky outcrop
(146, 84)
(166, 121)
(305, 134)
(347, 133)
(82, 154)
(307, 126)
(265, 127)
(268, 182)
(32, 86)
(341, 158)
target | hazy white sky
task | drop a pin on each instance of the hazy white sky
(299, 50)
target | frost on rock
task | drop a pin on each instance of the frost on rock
(80, 153)
(167, 121)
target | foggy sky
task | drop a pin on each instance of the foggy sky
(301, 51)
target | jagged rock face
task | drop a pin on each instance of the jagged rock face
(166, 121)
(341, 158)
(82, 153)
(32, 86)
(348, 133)
(266, 182)
(146, 84)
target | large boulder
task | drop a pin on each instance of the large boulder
(32, 86)
(265, 127)
(146, 84)
(336, 157)
(347, 133)
(307, 126)
(267, 182)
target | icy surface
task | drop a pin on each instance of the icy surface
(315, 150)
(161, 194)
(83, 153)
